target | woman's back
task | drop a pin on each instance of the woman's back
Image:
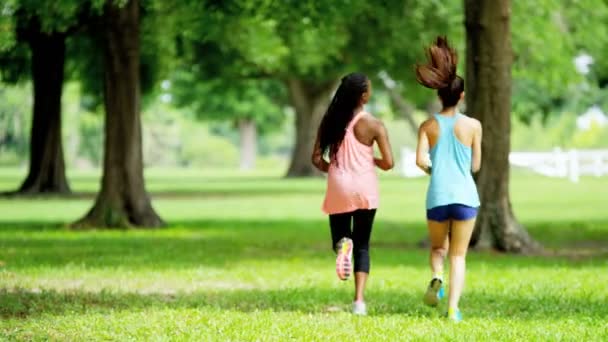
(464, 129)
(352, 182)
(450, 139)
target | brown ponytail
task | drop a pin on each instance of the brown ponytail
(440, 72)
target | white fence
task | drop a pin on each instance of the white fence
(569, 164)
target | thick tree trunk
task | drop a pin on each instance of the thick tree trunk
(249, 140)
(47, 166)
(310, 101)
(122, 200)
(489, 59)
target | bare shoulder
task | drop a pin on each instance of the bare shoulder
(473, 123)
(370, 121)
(427, 124)
(476, 124)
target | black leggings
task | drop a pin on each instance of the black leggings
(363, 220)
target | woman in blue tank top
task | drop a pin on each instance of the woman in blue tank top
(453, 142)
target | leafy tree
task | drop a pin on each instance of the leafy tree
(44, 26)
(308, 46)
(586, 21)
(36, 48)
(252, 105)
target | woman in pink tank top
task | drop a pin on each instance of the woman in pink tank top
(346, 136)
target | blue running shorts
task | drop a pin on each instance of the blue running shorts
(459, 212)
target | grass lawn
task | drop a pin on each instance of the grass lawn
(247, 257)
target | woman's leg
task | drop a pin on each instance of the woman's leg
(363, 221)
(459, 242)
(342, 244)
(339, 225)
(438, 234)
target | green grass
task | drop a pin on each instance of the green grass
(247, 257)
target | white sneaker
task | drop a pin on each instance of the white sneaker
(359, 308)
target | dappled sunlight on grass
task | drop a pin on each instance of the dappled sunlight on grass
(249, 258)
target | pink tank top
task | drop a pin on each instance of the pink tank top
(352, 184)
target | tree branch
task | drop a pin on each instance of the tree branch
(403, 107)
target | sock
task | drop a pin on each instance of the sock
(438, 276)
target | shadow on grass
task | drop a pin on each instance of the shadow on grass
(222, 243)
(172, 194)
(216, 243)
(189, 187)
(24, 304)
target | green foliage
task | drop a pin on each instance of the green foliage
(7, 25)
(595, 137)
(547, 36)
(85, 55)
(586, 23)
(56, 16)
(310, 40)
(20, 18)
(213, 80)
(15, 105)
(84, 63)
(559, 130)
(90, 131)
(391, 38)
(81, 21)
(227, 270)
(202, 149)
(221, 99)
(173, 139)
(541, 37)
(15, 63)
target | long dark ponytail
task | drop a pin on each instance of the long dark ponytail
(340, 112)
(439, 72)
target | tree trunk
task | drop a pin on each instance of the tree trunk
(489, 59)
(310, 101)
(122, 200)
(249, 140)
(46, 165)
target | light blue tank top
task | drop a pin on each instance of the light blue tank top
(451, 177)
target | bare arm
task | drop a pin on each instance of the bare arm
(317, 158)
(422, 150)
(476, 162)
(386, 161)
